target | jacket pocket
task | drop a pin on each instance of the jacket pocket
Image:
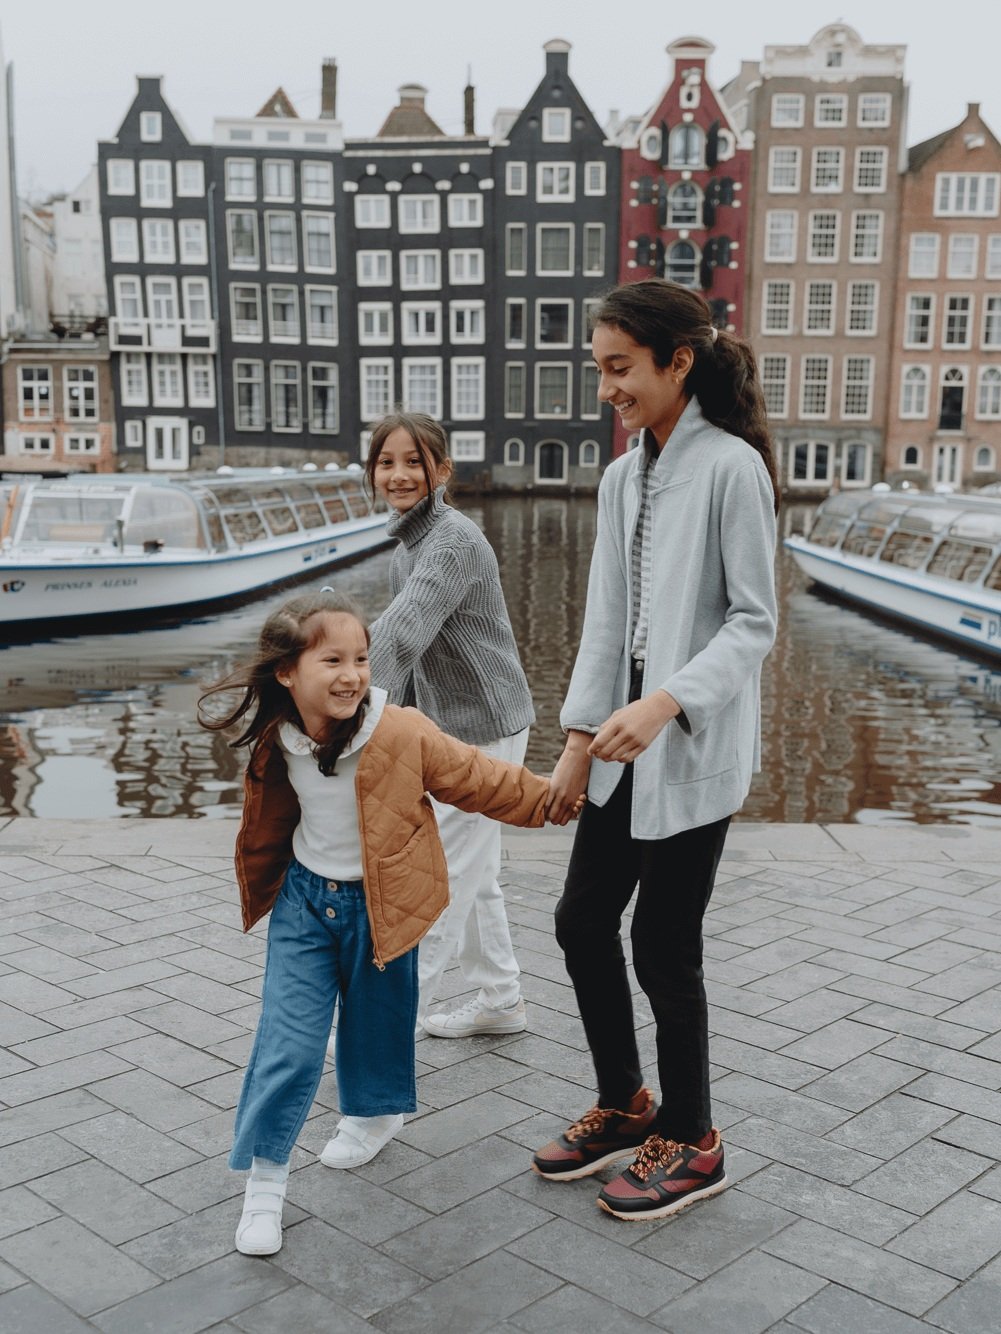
(690, 759)
(412, 881)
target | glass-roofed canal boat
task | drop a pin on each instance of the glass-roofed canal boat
(931, 560)
(135, 543)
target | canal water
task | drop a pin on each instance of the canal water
(863, 721)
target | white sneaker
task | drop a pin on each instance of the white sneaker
(259, 1231)
(332, 1044)
(359, 1139)
(474, 1017)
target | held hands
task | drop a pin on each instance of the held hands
(569, 781)
(628, 731)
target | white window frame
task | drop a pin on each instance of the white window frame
(422, 219)
(509, 306)
(769, 380)
(468, 446)
(590, 382)
(991, 315)
(188, 228)
(478, 367)
(243, 195)
(522, 367)
(419, 282)
(150, 127)
(768, 303)
(190, 173)
(811, 305)
(567, 367)
(847, 383)
(516, 178)
(194, 293)
(953, 200)
(155, 183)
(911, 310)
(797, 107)
(379, 263)
(805, 384)
(595, 178)
(473, 313)
(133, 380)
(278, 167)
(241, 334)
(933, 250)
(884, 101)
(121, 176)
(408, 367)
(992, 256)
(557, 125)
(320, 187)
(592, 229)
(87, 407)
(911, 414)
(983, 393)
(836, 184)
(866, 478)
(555, 182)
(512, 230)
(514, 453)
(290, 266)
(369, 367)
(287, 331)
(332, 379)
(128, 291)
(836, 101)
(372, 212)
(133, 434)
(568, 306)
(42, 444)
(858, 231)
(374, 313)
(795, 166)
(240, 377)
(82, 442)
(814, 232)
(240, 263)
(568, 229)
(309, 219)
(294, 423)
(158, 241)
(466, 267)
(947, 345)
(954, 268)
(592, 457)
(465, 210)
(126, 229)
(197, 361)
(861, 167)
(314, 334)
(427, 317)
(775, 231)
(167, 380)
(852, 305)
(813, 477)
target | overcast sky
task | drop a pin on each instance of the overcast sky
(76, 60)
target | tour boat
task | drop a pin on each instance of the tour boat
(931, 560)
(138, 543)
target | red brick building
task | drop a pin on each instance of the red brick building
(58, 414)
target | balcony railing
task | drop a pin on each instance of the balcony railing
(150, 335)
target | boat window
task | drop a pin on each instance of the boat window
(929, 518)
(828, 530)
(161, 514)
(71, 516)
(993, 580)
(217, 533)
(280, 519)
(907, 549)
(864, 538)
(881, 511)
(978, 524)
(964, 562)
(357, 500)
(310, 515)
(333, 503)
(245, 525)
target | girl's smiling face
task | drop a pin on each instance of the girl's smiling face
(329, 679)
(402, 469)
(641, 392)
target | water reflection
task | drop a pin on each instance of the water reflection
(862, 721)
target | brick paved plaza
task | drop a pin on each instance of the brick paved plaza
(855, 978)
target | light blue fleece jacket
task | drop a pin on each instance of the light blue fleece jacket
(712, 622)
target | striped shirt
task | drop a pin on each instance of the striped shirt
(641, 556)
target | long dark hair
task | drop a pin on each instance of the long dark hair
(664, 316)
(294, 627)
(429, 439)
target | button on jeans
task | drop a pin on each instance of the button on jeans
(320, 955)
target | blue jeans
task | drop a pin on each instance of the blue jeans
(320, 954)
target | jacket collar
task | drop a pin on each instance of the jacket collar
(691, 435)
(299, 744)
(417, 522)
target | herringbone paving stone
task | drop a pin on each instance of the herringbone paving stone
(854, 978)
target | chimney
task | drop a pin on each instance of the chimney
(328, 90)
(468, 105)
(557, 56)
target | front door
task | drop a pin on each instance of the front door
(166, 443)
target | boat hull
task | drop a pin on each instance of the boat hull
(122, 585)
(940, 607)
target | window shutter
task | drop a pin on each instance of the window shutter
(712, 145)
(708, 210)
(662, 209)
(642, 252)
(719, 312)
(664, 144)
(706, 271)
(724, 191)
(658, 264)
(644, 190)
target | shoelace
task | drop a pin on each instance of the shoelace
(591, 1123)
(655, 1152)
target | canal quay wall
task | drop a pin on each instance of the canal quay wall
(854, 975)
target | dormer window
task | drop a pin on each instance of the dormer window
(150, 127)
(685, 146)
(834, 59)
(556, 125)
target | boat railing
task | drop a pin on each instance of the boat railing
(239, 514)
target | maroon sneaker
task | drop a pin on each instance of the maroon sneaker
(664, 1178)
(602, 1135)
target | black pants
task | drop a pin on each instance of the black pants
(675, 877)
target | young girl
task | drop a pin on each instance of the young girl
(339, 841)
(445, 644)
(662, 723)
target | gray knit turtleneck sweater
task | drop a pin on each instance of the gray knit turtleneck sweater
(445, 642)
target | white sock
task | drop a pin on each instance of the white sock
(375, 1124)
(264, 1169)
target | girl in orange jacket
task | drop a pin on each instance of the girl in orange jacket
(339, 841)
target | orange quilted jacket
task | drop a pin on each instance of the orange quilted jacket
(406, 878)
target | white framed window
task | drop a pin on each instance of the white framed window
(775, 384)
(133, 380)
(515, 383)
(594, 178)
(422, 387)
(825, 229)
(827, 172)
(158, 241)
(133, 435)
(375, 323)
(788, 110)
(682, 264)
(967, 194)
(551, 462)
(155, 183)
(811, 463)
(991, 331)
(240, 176)
(956, 321)
(468, 446)
(420, 270)
(279, 180)
(870, 170)
(594, 249)
(911, 457)
(554, 182)
(468, 377)
(190, 179)
(588, 306)
(856, 392)
(419, 213)
(82, 444)
(554, 249)
(589, 454)
(279, 240)
(830, 109)
(923, 255)
(815, 387)
(867, 236)
(556, 125)
(80, 393)
(962, 255)
(776, 307)
(372, 211)
(420, 322)
(989, 397)
(514, 322)
(321, 315)
(245, 312)
(286, 396)
(920, 315)
(37, 444)
(283, 313)
(683, 203)
(856, 459)
(193, 240)
(914, 382)
(818, 315)
(150, 127)
(248, 395)
(553, 388)
(317, 182)
(686, 146)
(590, 378)
(874, 109)
(168, 383)
(516, 248)
(952, 408)
(376, 384)
(161, 298)
(241, 237)
(983, 458)
(863, 303)
(323, 388)
(783, 169)
(318, 242)
(780, 235)
(992, 268)
(196, 304)
(201, 380)
(375, 268)
(465, 267)
(124, 236)
(554, 323)
(467, 321)
(516, 178)
(465, 210)
(514, 453)
(121, 174)
(128, 303)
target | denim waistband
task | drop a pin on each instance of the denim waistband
(313, 880)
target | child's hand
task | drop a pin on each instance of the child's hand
(579, 805)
